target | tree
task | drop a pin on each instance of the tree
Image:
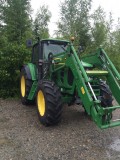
(16, 19)
(114, 49)
(99, 28)
(74, 21)
(41, 22)
(110, 37)
(14, 29)
(116, 37)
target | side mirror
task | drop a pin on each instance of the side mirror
(29, 43)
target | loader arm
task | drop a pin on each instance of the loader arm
(113, 77)
(83, 86)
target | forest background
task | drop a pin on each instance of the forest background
(90, 29)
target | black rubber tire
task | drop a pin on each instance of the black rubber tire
(106, 95)
(28, 85)
(106, 100)
(53, 103)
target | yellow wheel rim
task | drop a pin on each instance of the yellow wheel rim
(41, 103)
(23, 86)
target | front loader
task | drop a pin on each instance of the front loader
(56, 75)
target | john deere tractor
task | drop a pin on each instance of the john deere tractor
(56, 75)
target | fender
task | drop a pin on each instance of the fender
(30, 70)
(33, 71)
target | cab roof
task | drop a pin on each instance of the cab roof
(55, 40)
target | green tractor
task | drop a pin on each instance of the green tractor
(56, 75)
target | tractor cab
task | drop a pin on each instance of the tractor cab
(42, 49)
(54, 47)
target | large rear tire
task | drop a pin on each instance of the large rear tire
(49, 103)
(25, 86)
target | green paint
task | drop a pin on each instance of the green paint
(33, 90)
(71, 76)
(33, 71)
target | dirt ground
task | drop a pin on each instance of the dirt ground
(22, 137)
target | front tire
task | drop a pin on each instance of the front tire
(48, 102)
(25, 86)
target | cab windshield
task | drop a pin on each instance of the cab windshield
(54, 48)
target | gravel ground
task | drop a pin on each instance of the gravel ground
(22, 137)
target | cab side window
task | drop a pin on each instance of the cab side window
(46, 51)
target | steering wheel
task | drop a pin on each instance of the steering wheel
(50, 57)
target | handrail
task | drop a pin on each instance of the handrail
(80, 65)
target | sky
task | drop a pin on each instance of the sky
(108, 5)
